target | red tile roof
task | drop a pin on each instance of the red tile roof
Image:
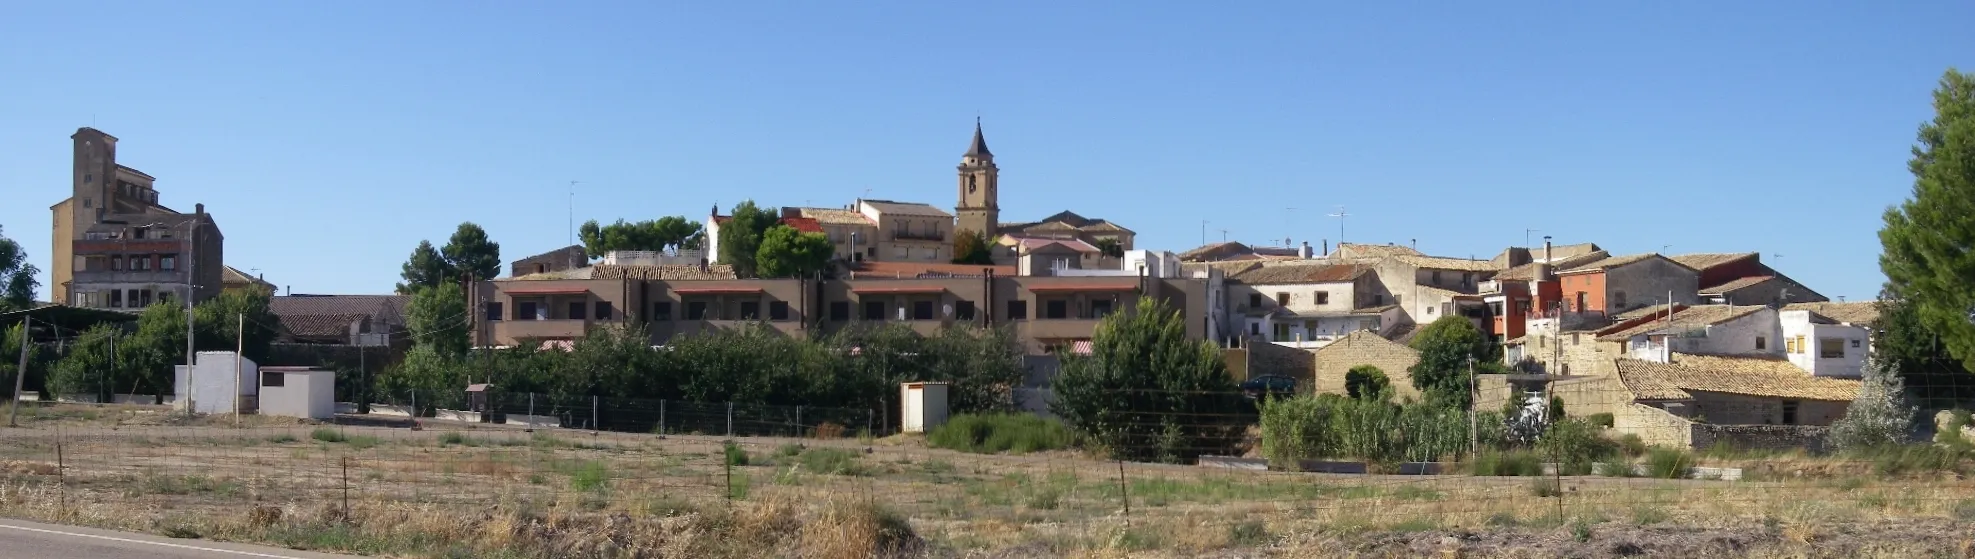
(927, 269)
(803, 224)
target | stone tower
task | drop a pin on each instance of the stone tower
(978, 210)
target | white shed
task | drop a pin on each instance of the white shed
(214, 375)
(305, 392)
(924, 405)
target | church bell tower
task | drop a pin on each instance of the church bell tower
(978, 209)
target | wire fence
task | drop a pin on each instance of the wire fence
(527, 457)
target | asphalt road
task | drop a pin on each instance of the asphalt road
(34, 540)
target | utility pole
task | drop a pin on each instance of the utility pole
(1474, 397)
(239, 350)
(191, 295)
(27, 324)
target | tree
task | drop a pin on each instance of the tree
(971, 247)
(740, 236)
(425, 268)
(158, 344)
(1109, 246)
(91, 366)
(1445, 347)
(17, 281)
(1902, 343)
(469, 251)
(1367, 382)
(434, 380)
(788, 253)
(1147, 391)
(1879, 415)
(437, 319)
(1929, 240)
(653, 235)
(219, 322)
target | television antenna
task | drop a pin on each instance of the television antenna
(1340, 215)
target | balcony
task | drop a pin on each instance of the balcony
(507, 331)
(1049, 328)
(918, 236)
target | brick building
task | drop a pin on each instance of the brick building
(117, 247)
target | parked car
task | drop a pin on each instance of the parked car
(1268, 385)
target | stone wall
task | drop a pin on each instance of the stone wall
(1653, 425)
(1582, 353)
(1808, 437)
(1591, 395)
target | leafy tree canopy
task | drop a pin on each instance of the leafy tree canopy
(1110, 247)
(219, 323)
(652, 235)
(1445, 347)
(1147, 391)
(1929, 240)
(425, 268)
(786, 253)
(17, 281)
(1367, 382)
(469, 251)
(740, 236)
(971, 247)
(437, 318)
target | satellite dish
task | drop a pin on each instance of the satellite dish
(948, 309)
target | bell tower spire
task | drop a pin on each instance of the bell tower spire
(979, 209)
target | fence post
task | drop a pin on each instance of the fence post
(661, 417)
(868, 416)
(727, 457)
(593, 415)
(531, 410)
(730, 418)
(1124, 491)
(346, 489)
(798, 421)
(61, 463)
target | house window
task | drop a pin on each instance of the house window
(1831, 348)
(1446, 308)
(1854, 344)
(1762, 343)
(901, 253)
(1323, 297)
(1789, 412)
(116, 298)
(922, 310)
(750, 310)
(1282, 299)
(1255, 328)
(116, 263)
(1436, 277)
(603, 310)
(1281, 332)
(1056, 309)
(140, 263)
(1018, 310)
(273, 379)
(1789, 345)
(140, 298)
(1254, 300)
(778, 310)
(839, 311)
(168, 262)
(874, 310)
(493, 310)
(963, 310)
(1618, 299)
(576, 310)
(526, 310)
(1099, 308)
(696, 310)
(1378, 300)
(1803, 345)
(661, 310)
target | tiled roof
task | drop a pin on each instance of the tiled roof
(834, 216)
(1703, 261)
(1034, 243)
(1229, 247)
(1690, 317)
(1443, 263)
(1443, 292)
(671, 272)
(1640, 312)
(1527, 272)
(1298, 272)
(1227, 268)
(331, 315)
(1854, 312)
(907, 208)
(871, 269)
(1609, 263)
(1356, 250)
(1753, 376)
(573, 273)
(1735, 284)
(803, 224)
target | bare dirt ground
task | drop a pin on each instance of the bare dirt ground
(452, 490)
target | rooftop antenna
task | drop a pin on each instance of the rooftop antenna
(1525, 236)
(1203, 232)
(1340, 215)
(1224, 235)
(1288, 222)
(572, 212)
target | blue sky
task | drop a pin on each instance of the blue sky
(330, 137)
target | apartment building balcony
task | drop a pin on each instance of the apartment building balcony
(506, 331)
(918, 236)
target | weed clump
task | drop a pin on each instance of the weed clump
(997, 433)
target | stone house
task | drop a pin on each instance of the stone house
(1334, 362)
(1742, 279)
(1622, 283)
(1736, 390)
(1308, 303)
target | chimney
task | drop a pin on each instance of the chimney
(1416, 244)
(791, 212)
(1326, 247)
(1543, 271)
(199, 209)
(1546, 248)
(1305, 252)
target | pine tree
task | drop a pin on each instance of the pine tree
(1879, 416)
(1929, 241)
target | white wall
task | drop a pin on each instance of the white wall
(1735, 337)
(308, 394)
(1851, 365)
(213, 378)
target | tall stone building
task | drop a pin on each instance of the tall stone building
(116, 247)
(979, 210)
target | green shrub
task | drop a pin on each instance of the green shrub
(1545, 487)
(1575, 444)
(1507, 463)
(1894, 460)
(1667, 463)
(1632, 445)
(452, 437)
(834, 461)
(1601, 419)
(735, 456)
(328, 435)
(1328, 426)
(1950, 434)
(997, 433)
(589, 476)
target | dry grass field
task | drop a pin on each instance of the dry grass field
(462, 491)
